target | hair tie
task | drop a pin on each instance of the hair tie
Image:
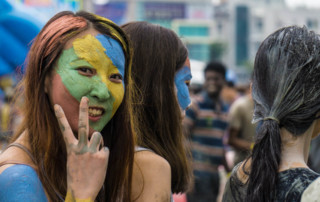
(271, 118)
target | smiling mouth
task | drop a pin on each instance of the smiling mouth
(96, 111)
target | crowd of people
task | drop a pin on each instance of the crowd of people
(103, 113)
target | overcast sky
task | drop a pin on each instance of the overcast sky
(308, 3)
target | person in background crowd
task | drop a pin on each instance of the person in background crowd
(206, 124)
(3, 142)
(286, 95)
(77, 93)
(9, 115)
(241, 131)
(229, 93)
(161, 71)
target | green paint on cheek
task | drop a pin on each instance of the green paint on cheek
(76, 84)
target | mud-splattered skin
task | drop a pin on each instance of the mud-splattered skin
(290, 186)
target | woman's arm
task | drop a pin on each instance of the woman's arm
(21, 183)
(151, 179)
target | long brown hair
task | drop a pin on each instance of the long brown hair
(45, 139)
(158, 54)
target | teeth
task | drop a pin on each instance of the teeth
(95, 112)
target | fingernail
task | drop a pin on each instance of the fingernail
(57, 108)
(85, 99)
(106, 148)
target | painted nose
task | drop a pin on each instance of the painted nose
(100, 91)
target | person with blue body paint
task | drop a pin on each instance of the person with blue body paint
(77, 93)
(161, 71)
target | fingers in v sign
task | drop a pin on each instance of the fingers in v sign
(87, 160)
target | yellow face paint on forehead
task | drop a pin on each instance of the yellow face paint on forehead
(101, 63)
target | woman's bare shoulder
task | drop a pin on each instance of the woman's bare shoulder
(150, 159)
(151, 177)
(14, 155)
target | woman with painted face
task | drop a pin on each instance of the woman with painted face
(286, 94)
(161, 72)
(77, 94)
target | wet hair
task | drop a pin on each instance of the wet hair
(216, 67)
(286, 93)
(158, 55)
(45, 139)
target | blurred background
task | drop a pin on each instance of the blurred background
(225, 30)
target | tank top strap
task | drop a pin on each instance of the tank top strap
(138, 149)
(20, 146)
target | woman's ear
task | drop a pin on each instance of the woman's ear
(316, 130)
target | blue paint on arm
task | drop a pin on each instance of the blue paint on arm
(183, 75)
(21, 183)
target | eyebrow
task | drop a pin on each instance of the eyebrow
(78, 61)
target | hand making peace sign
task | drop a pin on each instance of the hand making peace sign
(86, 160)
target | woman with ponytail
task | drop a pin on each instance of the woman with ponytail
(286, 94)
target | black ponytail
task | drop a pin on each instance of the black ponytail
(265, 163)
(285, 87)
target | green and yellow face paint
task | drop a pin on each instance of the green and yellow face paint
(94, 67)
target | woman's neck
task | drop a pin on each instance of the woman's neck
(295, 149)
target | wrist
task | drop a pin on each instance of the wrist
(71, 198)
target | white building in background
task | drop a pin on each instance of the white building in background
(266, 16)
(239, 25)
(249, 22)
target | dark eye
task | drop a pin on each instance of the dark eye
(117, 78)
(86, 71)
